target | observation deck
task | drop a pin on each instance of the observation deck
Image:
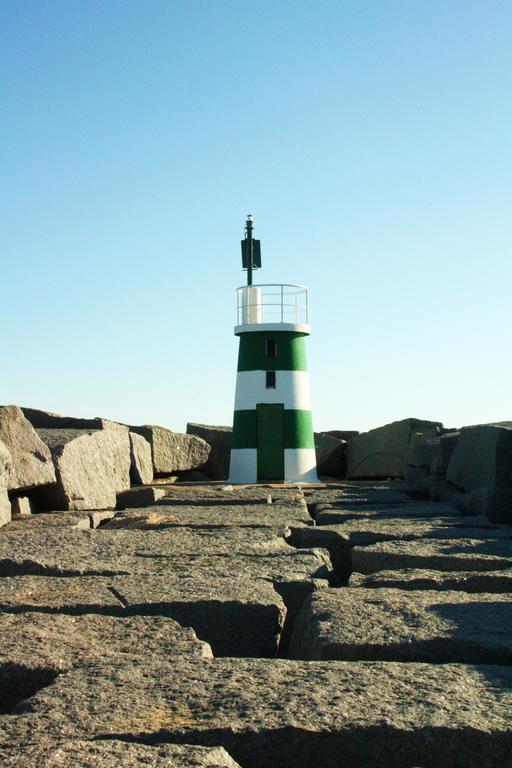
(272, 307)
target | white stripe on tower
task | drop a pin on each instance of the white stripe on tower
(243, 467)
(300, 465)
(292, 389)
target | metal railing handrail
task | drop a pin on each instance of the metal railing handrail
(276, 285)
(290, 298)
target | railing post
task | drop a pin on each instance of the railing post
(282, 303)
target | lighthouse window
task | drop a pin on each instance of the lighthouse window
(271, 348)
(271, 379)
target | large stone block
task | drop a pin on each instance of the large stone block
(392, 625)
(285, 714)
(141, 467)
(82, 595)
(91, 467)
(139, 497)
(382, 452)
(417, 578)
(493, 503)
(118, 438)
(113, 753)
(118, 434)
(341, 434)
(434, 554)
(58, 551)
(331, 455)
(354, 497)
(5, 471)
(31, 460)
(250, 516)
(22, 505)
(422, 450)
(173, 451)
(237, 616)
(48, 420)
(66, 629)
(219, 438)
(482, 457)
(446, 447)
(328, 515)
(340, 539)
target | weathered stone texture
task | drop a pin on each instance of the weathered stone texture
(219, 438)
(422, 450)
(114, 754)
(392, 625)
(139, 497)
(58, 550)
(44, 520)
(284, 714)
(382, 452)
(91, 467)
(482, 457)
(48, 420)
(329, 515)
(339, 540)
(22, 505)
(345, 497)
(118, 437)
(173, 451)
(5, 471)
(85, 594)
(141, 464)
(63, 640)
(432, 554)
(331, 455)
(446, 447)
(237, 616)
(31, 460)
(91, 635)
(341, 434)
(168, 513)
(417, 578)
(493, 503)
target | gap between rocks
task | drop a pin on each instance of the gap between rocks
(19, 682)
(364, 747)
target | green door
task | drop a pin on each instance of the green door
(270, 425)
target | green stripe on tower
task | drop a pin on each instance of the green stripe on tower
(290, 351)
(245, 430)
(298, 429)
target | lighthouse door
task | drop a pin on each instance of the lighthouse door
(270, 425)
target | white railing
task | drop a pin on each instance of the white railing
(283, 303)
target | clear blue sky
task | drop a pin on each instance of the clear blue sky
(372, 141)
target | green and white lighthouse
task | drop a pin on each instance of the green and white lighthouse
(272, 426)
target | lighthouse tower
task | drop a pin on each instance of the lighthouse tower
(272, 426)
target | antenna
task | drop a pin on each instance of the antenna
(251, 251)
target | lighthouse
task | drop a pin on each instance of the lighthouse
(273, 439)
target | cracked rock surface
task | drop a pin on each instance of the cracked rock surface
(392, 625)
(210, 629)
(113, 754)
(285, 713)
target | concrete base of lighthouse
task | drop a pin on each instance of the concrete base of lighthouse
(299, 466)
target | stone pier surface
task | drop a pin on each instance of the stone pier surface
(390, 625)
(256, 627)
(283, 713)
